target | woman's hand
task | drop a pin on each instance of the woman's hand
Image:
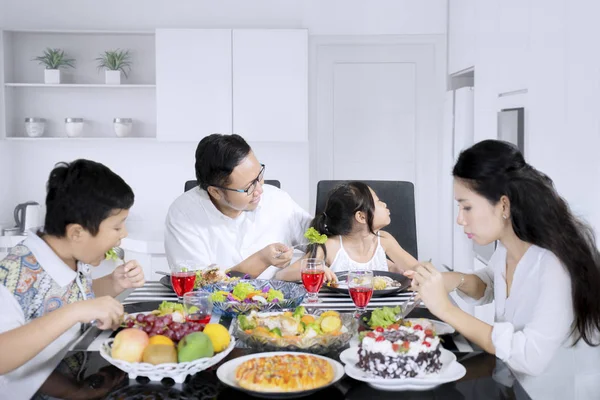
(429, 283)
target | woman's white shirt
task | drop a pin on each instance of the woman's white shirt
(532, 326)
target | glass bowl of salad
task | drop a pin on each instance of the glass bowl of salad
(243, 296)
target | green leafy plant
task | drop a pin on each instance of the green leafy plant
(115, 60)
(55, 59)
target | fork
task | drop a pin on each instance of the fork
(292, 247)
(406, 308)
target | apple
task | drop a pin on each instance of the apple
(129, 345)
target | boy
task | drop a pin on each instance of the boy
(46, 289)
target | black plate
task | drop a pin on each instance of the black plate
(405, 283)
(166, 280)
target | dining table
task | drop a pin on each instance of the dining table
(84, 374)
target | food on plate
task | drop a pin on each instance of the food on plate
(384, 317)
(314, 237)
(212, 275)
(284, 373)
(129, 345)
(399, 352)
(385, 282)
(134, 345)
(294, 326)
(245, 292)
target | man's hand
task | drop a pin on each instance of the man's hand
(277, 254)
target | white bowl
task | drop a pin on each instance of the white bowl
(175, 371)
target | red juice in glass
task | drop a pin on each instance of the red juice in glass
(202, 319)
(361, 296)
(313, 280)
(183, 282)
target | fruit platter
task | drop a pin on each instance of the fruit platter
(157, 346)
(232, 298)
(297, 330)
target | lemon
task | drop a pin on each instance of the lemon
(160, 339)
(331, 324)
(330, 313)
(219, 336)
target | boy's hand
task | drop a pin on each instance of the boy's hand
(128, 275)
(105, 310)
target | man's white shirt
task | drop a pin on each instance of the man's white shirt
(196, 231)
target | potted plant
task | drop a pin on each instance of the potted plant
(53, 60)
(114, 62)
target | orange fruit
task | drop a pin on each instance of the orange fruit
(160, 339)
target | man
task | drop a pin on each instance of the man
(232, 220)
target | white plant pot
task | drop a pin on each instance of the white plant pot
(113, 77)
(122, 126)
(52, 76)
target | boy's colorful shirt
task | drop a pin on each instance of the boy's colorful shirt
(35, 289)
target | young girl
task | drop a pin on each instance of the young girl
(352, 220)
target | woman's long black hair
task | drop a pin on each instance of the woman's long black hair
(343, 202)
(539, 216)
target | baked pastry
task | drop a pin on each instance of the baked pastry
(284, 373)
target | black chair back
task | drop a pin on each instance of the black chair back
(400, 199)
(192, 184)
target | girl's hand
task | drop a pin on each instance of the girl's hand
(429, 283)
(330, 276)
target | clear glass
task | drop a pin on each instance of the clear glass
(313, 275)
(197, 307)
(360, 286)
(183, 277)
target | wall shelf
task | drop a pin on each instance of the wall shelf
(80, 85)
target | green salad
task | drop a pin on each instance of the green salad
(245, 292)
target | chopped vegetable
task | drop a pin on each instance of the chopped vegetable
(314, 237)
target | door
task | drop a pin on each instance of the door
(378, 116)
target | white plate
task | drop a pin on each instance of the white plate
(441, 328)
(226, 374)
(451, 371)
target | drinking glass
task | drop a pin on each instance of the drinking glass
(360, 286)
(313, 275)
(183, 277)
(197, 307)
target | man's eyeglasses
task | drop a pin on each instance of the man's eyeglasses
(250, 189)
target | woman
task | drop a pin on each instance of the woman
(544, 275)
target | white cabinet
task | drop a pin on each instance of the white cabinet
(251, 82)
(193, 79)
(270, 84)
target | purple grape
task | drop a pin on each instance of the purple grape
(130, 324)
(177, 336)
(150, 318)
(175, 326)
(159, 323)
(147, 329)
(167, 319)
(139, 318)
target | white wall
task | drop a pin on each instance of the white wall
(547, 50)
(346, 17)
(461, 35)
(156, 171)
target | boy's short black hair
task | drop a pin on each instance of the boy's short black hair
(216, 157)
(83, 192)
